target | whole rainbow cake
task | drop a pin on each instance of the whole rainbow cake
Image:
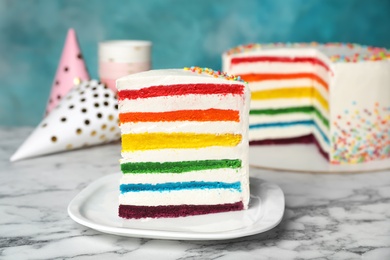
(336, 95)
(184, 143)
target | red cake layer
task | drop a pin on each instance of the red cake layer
(311, 60)
(182, 89)
(305, 139)
(174, 211)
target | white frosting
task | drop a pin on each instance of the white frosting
(265, 119)
(292, 83)
(184, 127)
(186, 102)
(287, 132)
(187, 197)
(174, 103)
(279, 132)
(227, 175)
(177, 155)
(280, 103)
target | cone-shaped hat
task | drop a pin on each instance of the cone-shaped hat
(70, 67)
(86, 116)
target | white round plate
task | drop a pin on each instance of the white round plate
(304, 158)
(97, 207)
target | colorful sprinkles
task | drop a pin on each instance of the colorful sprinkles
(375, 53)
(214, 73)
(365, 137)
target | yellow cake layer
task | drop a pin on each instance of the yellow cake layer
(286, 93)
(150, 141)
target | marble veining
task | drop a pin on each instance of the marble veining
(327, 216)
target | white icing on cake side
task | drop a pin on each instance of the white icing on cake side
(183, 197)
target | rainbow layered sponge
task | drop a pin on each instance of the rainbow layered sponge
(184, 143)
(335, 95)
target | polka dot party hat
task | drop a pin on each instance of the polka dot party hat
(86, 116)
(71, 66)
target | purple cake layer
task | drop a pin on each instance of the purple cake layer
(305, 139)
(174, 211)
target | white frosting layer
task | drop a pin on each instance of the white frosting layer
(287, 132)
(177, 155)
(265, 119)
(187, 197)
(186, 102)
(292, 83)
(227, 175)
(184, 126)
(279, 132)
(280, 103)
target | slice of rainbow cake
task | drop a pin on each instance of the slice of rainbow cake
(184, 143)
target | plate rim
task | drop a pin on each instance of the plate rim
(73, 210)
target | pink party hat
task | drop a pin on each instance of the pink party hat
(86, 116)
(70, 67)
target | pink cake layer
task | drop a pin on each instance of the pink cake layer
(305, 139)
(174, 211)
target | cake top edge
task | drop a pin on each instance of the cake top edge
(194, 71)
(336, 52)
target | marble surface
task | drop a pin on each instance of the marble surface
(327, 216)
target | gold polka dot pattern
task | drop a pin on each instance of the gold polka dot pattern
(86, 116)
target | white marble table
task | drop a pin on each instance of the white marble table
(327, 216)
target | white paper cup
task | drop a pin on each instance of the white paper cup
(121, 58)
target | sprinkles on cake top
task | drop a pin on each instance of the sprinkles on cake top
(357, 52)
(214, 73)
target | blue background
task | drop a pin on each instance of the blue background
(183, 33)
